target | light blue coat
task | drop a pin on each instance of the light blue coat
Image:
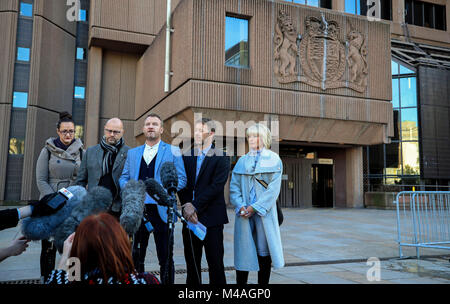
(268, 169)
(166, 153)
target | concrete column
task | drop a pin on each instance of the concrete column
(338, 5)
(398, 8)
(5, 114)
(8, 33)
(93, 95)
(354, 177)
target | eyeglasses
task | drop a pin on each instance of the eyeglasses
(113, 131)
(65, 132)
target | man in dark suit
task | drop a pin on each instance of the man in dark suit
(102, 164)
(207, 170)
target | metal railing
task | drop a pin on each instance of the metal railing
(423, 220)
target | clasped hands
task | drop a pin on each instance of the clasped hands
(246, 212)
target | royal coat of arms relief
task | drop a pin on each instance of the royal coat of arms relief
(323, 57)
(286, 50)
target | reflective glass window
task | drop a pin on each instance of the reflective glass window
(408, 92)
(20, 100)
(411, 160)
(79, 92)
(23, 54)
(395, 91)
(26, 9)
(236, 42)
(81, 54)
(410, 129)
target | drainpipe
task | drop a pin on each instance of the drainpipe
(167, 73)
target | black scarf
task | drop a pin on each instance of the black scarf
(59, 144)
(110, 152)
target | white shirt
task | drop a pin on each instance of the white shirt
(150, 152)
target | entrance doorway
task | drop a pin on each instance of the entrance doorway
(322, 185)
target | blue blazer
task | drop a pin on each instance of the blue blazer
(166, 153)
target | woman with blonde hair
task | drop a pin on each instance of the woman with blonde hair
(254, 189)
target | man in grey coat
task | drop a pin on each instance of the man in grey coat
(102, 164)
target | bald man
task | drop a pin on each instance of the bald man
(102, 164)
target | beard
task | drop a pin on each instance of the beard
(152, 135)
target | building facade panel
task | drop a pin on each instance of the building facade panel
(434, 92)
(55, 11)
(118, 85)
(52, 67)
(41, 124)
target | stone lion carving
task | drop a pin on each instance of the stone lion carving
(357, 63)
(286, 50)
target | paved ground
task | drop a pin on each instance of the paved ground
(327, 246)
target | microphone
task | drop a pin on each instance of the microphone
(133, 197)
(169, 177)
(157, 192)
(42, 227)
(97, 200)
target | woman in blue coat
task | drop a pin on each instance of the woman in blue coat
(254, 189)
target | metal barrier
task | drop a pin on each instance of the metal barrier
(423, 219)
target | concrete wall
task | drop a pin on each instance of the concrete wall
(126, 25)
(51, 82)
(199, 71)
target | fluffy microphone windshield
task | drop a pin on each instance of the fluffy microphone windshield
(157, 192)
(43, 228)
(169, 177)
(97, 200)
(133, 198)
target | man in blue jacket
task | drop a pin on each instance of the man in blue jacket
(145, 162)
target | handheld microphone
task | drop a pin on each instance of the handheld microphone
(133, 195)
(43, 227)
(169, 177)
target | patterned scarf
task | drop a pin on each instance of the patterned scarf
(110, 151)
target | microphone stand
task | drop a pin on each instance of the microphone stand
(171, 213)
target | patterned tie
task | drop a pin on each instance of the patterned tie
(252, 187)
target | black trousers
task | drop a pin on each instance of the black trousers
(160, 233)
(193, 249)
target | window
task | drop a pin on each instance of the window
(236, 42)
(316, 3)
(20, 100)
(398, 163)
(353, 7)
(360, 7)
(426, 14)
(81, 54)
(79, 92)
(83, 15)
(16, 146)
(26, 9)
(23, 54)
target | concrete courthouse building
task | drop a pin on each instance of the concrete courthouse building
(356, 105)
